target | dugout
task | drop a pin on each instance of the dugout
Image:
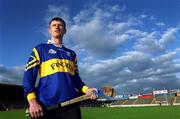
(11, 97)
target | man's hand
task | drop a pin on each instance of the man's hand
(92, 91)
(35, 109)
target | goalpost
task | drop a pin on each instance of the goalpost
(3, 105)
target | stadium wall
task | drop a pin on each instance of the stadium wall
(11, 97)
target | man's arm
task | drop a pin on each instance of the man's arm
(29, 80)
(80, 85)
(35, 109)
(91, 93)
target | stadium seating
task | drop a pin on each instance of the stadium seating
(145, 101)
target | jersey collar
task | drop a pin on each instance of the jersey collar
(60, 46)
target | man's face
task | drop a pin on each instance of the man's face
(57, 29)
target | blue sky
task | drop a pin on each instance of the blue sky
(133, 45)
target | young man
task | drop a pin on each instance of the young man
(59, 79)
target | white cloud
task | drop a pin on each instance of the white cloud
(152, 18)
(136, 33)
(12, 75)
(143, 16)
(165, 57)
(168, 36)
(101, 37)
(134, 69)
(160, 24)
(177, 50)
(149, 43)
(99, 33)
(54, 11)
(155, 41)
(178, 75)
(103, 31)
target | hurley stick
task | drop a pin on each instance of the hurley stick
(75, 100)
(106, 91)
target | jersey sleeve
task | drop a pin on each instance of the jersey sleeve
(30, 74)
(80, 85)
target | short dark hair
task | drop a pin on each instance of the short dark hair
(57, 19)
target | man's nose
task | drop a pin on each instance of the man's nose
(57, 26)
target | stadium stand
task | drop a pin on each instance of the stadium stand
(177, 99)
(161, 98)
(129, 102)
(11, 96)
(119, 102)
(145, 101)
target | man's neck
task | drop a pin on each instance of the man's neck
(56, 41)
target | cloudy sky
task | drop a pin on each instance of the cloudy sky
(132, 45)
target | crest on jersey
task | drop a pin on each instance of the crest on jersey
(52, 51)
(68, 53)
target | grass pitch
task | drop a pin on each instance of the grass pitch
(113, 113)
(132, 113)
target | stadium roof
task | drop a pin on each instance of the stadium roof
(11, 85)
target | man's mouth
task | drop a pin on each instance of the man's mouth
(57, 31)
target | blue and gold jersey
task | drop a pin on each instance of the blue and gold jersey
(58, 75)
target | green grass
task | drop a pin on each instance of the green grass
(132, 113)
(114, 113)
(13, 114)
